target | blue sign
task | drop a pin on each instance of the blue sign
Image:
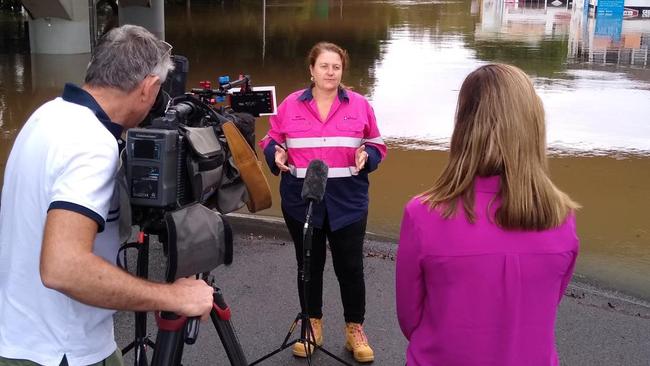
(609, 19)
(610, 8)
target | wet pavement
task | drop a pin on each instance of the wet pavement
(594, 326)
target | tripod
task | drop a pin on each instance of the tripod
(141, 341)
(173, 330)
(306, 337)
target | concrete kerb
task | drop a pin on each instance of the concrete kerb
(585, 291)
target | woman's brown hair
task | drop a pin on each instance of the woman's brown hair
(321, 47)
(500, 130)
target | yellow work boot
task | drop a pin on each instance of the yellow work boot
(299, 347)
(357, 342)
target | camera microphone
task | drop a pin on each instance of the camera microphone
(313, 187)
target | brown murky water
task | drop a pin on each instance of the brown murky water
(409, 58)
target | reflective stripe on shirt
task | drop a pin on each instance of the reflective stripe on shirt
(316, 142)
(376, 140)
(342, 172)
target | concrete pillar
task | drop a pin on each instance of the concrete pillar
(64, 26)
(51, 72)
(146, 13)
(55, 35)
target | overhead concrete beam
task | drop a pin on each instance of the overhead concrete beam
(63, 26)
(48, 9)
(51, 33)
(127, 3)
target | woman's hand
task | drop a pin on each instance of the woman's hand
(281, 159)
(360, 157)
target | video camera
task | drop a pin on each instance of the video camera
(179, 166)
(173, 158)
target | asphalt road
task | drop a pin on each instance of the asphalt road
(594, 327)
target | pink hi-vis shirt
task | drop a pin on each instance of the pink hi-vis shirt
(299, 129)
(476, 294)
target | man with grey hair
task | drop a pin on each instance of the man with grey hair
(59, 227)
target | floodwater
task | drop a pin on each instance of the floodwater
(409, 58)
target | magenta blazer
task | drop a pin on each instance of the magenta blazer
(475, 294)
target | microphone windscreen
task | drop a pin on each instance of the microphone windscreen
(313, 188)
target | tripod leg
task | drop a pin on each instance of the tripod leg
(128, 348)
(142, 271)
(168, 350)
(140, 355)
(291, 329)
(139, 345)
(140, 358)
(284, 345)
(220, 316)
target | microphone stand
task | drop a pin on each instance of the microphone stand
(307, 337)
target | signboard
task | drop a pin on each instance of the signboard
(557, 3)
(610, 8)
(609, 19)
(632, 12)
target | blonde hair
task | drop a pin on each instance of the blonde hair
(500, 130)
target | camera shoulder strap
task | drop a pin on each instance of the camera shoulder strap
(249, 168)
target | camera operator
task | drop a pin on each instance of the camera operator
(59, 219)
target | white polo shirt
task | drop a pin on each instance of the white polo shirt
(64, 157)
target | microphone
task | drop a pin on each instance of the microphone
(313, 187)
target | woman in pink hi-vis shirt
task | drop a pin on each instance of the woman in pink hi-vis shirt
(331, 123)
(485, 255)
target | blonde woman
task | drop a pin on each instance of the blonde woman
(485, 255)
